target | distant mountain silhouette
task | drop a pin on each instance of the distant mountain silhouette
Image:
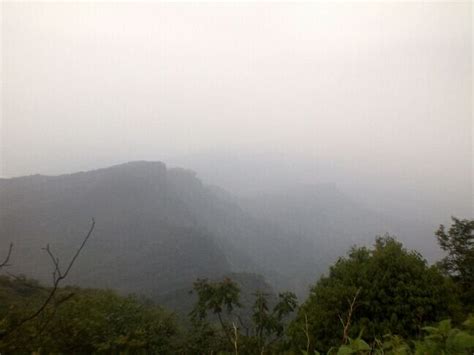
(158, 229)
(330, 220)
(146, 239)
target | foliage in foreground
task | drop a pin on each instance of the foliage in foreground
(380, 300)
(219, 299)
(441, 339)
(86, 321)
(458, 242)
(397, 293)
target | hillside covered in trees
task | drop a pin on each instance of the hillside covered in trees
(170, 265)
(159, 228)
(382, 299)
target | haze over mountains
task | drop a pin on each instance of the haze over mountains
(310, 127)
(159, 228)
(250, 168)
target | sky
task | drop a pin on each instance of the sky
(383, 90)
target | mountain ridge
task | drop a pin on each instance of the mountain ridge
(160, 228)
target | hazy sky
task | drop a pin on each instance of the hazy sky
(382, 88)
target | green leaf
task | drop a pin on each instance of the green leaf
(345, 350)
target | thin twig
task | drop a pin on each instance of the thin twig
(306, 332)
(55, 260)
(5, 262)
(236, 339)
(224, 328)
(346, 325)
(242, 324)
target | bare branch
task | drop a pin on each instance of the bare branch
(55, 260)
(306, 332)
(346, 325)
(5, 262)
(57, 277)
(80, 248)
(57, 303)
(235, 341)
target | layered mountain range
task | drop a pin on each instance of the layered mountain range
(158, 229)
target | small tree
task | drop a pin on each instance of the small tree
(220, 298)
(458, 241)
(269, 325)
(399, 294)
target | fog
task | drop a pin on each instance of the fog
(376, 98)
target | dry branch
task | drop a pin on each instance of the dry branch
(346, 324)
(58, 276)
(7, 258)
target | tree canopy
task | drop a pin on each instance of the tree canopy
(458, 242)
(83, 321)
(382, 290)
(382, 299)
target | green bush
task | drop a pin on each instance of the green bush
(399, 294)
